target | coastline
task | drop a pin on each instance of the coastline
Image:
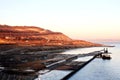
(42, 55)
(47, 56)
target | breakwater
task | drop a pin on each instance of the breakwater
(65, 69)
(83, 65)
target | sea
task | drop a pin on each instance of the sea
(98, 69)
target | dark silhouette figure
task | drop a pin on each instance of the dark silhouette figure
(105, 50)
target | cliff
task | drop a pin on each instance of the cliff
(32, 36)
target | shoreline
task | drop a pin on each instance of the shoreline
(26, 57)
(71, 65)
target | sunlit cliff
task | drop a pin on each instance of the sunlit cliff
(32, 36)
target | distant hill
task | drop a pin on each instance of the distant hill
(36, 36)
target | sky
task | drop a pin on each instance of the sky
(79, 19)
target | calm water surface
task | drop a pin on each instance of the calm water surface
(100, 69)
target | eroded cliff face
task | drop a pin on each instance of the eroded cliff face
(32, 36)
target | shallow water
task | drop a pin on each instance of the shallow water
(82, 50)
(53, 75)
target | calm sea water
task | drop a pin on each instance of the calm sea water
(100, 69)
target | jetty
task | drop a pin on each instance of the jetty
(104, 54)
(71, 65)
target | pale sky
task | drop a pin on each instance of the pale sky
(79, 19)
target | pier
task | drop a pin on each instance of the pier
(71, 65)
(97, 53)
